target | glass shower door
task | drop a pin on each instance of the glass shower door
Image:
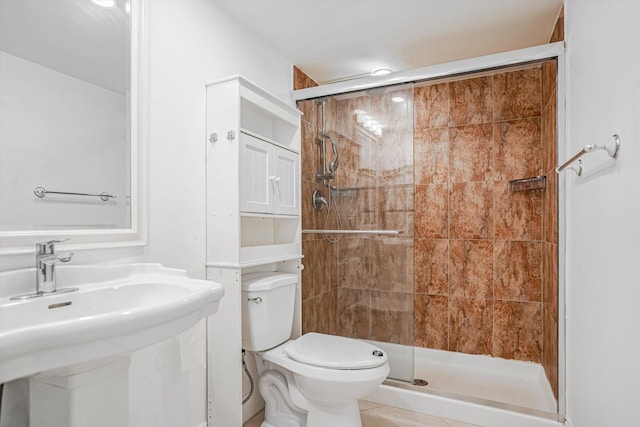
(373, 190)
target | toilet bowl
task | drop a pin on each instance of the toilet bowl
(326, 375)
(314, 380)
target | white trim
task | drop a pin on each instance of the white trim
(563, 203)
(18, 243)
(536, 53)
(454, 409)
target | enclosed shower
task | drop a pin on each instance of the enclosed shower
(430, 228)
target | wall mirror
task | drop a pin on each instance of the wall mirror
(70, 134)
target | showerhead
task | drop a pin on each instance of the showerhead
(333, 164)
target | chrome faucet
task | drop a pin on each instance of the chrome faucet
(46, 260)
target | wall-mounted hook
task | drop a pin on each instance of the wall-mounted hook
(578, 169)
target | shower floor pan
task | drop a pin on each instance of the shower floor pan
(509, 384)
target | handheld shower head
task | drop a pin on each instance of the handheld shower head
(333, 164)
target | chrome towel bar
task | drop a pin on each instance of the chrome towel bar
(41, 192)
(611, 149)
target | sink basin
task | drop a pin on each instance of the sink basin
(116, 310)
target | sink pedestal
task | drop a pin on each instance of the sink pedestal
(94, 394)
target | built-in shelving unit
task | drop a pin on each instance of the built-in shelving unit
(253, 218)
(253, 175)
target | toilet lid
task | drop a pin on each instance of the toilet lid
(333, 352)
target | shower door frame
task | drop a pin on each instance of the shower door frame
(474, 65)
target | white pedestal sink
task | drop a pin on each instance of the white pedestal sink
(96, 396)
(76, 345)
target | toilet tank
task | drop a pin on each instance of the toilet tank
(268, 301)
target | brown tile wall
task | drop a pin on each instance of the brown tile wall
(550, 216)
(558, 31)
(550, 227)
(478, 248)
(474, 269)
(301, 80)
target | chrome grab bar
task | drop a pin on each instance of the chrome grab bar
(41, 192)
(385, 232)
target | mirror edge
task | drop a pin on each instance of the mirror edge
(23, 242)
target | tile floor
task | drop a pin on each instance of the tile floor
(377, 415)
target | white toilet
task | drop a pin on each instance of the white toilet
(315, 380)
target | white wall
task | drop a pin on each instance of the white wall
(193, 42)
(603, 318)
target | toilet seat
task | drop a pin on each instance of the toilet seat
(334, 352)
(279, 356)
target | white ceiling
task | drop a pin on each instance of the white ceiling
(336, 39)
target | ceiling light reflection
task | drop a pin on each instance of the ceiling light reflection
(105, 3)
(381, 72)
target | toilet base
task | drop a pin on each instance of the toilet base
(280, 410)
(323, 419)
(347, 415)
(286, 407)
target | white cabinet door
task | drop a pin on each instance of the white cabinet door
(286, 186)
(256, 192)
